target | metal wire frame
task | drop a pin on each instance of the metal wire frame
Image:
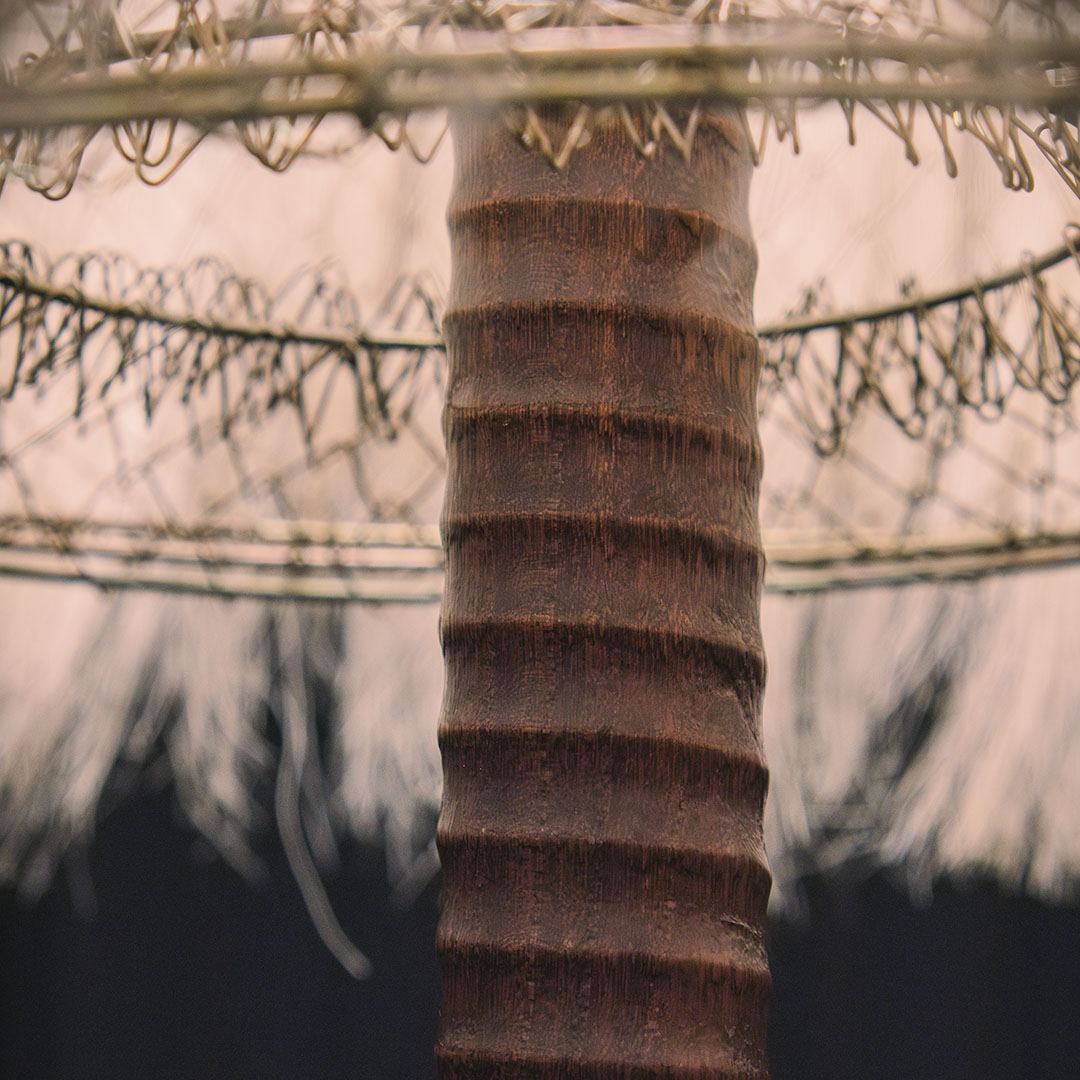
(383, 65)
(824, 368)
(972, 346)
(597, 66)
(389, 564)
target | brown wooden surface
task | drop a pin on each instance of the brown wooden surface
(601, 837)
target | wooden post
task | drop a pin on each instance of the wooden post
(605, 880)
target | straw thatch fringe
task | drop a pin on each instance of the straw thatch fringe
(929, 729)
(226, 693)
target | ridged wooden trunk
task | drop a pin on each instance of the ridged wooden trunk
(605, 880)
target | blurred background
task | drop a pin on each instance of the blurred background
(220, 480)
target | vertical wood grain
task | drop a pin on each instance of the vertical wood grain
(605, 880)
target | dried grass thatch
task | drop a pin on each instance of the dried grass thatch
(932, 729)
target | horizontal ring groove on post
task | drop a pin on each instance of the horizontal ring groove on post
(710, 1004)
(707, 967)
(737, 860)
(594, 215)
(698, 768)
(727, 653)
(489, 1064)
(574, 922)
(713, 329)
(581, 688)
(584, 244)
(580, 582)
(706, 997)
(668, 529)
(732, 882)
(663, 1014)
(722, 546)
(697, 222)
(557, 810)
(731, 441)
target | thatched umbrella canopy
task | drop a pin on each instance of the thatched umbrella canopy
(929, 727)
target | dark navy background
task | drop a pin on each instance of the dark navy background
(150, 958)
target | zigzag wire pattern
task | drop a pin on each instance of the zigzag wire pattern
(334, 58)
(295, 390)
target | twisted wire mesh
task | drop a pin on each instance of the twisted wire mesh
(233, 418)
(290, 82)
(245, 428)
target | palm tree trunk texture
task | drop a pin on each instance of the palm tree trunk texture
(605, 880)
